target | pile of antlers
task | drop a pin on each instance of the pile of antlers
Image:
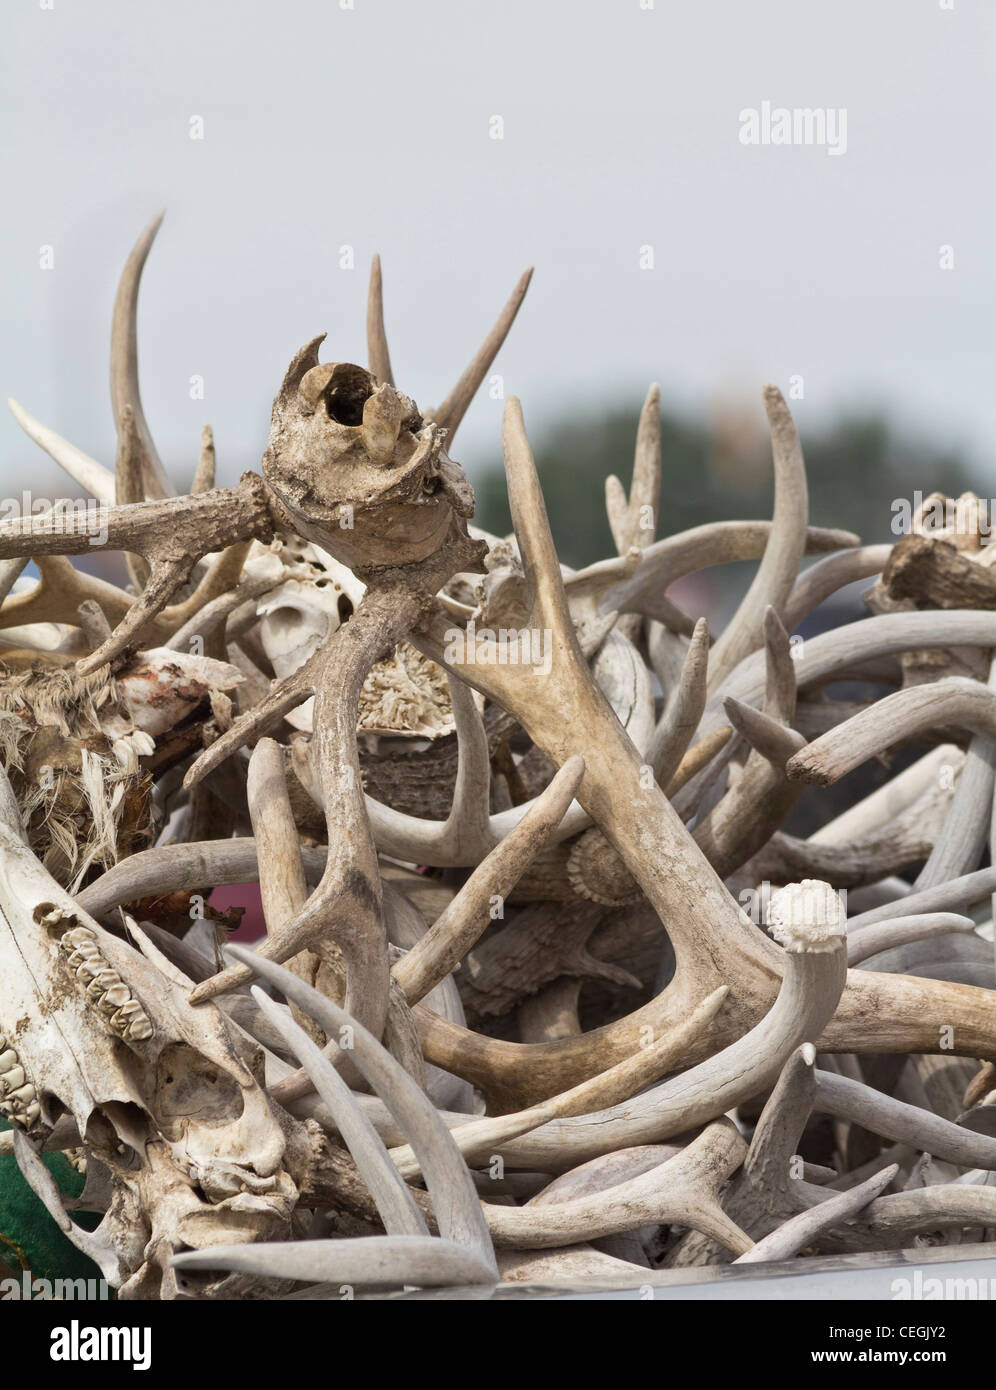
(480, 783)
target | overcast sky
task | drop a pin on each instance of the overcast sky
(371, 127)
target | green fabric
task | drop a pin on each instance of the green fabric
(29, 1238)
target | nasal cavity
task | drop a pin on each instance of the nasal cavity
(347, 393)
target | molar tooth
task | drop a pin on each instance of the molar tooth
(13, 1078)
(31, 1114)
(23, 1096)
(85, 972)
(8, 1059)
(116, 996)
(140, 1029)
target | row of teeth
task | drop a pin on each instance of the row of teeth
(18, 1098)
(104, 986)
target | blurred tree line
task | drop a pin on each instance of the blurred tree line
(720, 470)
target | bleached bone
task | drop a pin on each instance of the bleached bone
(477, 1139)
(92, 476)
(811, 985)
(895, 797)
(469, 914)
(166, 1097)
(683, 1189)
(955, 701)
(824, 578)
(804, 1229)
(400, 1215)
(881, 936)
(779, 568)
(124, 361)
(449, 414)
(455, 1202)
(378, 356)
(370, 1262)
(716, 543)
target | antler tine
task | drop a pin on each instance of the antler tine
(469, 821)
(378, 357)
(772, 1185)
(827, 576)
(882, 936)
(676, 726)
(477, 1139)
(546, 599)
(775, 743)
(756, 804)
(454, 1199)
(955, 701)
(810, 990)
(885, 634)
(203, 480)
(129, 484)
(394, 1200)
(903, 1123)
(458, 927)
(779, 670)
(92, 476)
(804, 1229)
(454, 407)
(164, 580)
(899, 1217)
(60, 590)
(683, 1189)
(124, 360)
(282, 881)
(686, 552)
(372, 1262)
(959, 847)
(633, 519)
(779, 568)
